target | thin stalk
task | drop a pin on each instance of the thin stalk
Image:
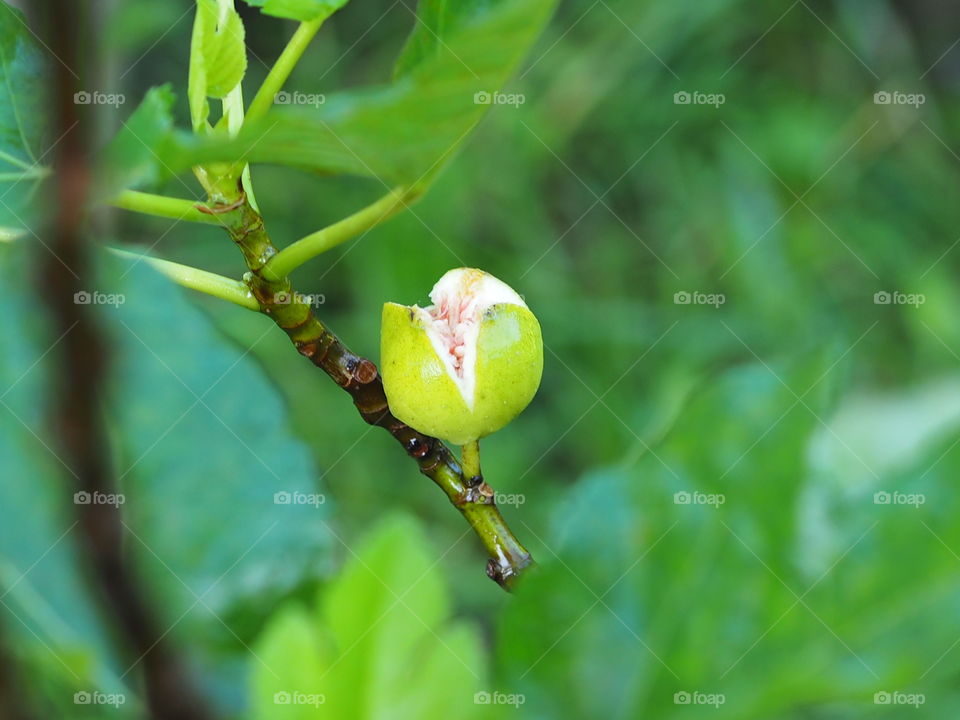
(359, 377)
(190, 277)
(295, 255)
(282, 68)
(470, 459)
(163, 206)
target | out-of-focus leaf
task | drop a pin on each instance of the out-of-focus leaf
(46, 609)
(304, 10)
(220, 501)
(380, 645)
(22, 124)
(437, 21)
(133, 157)
(293, 649)
(216, 486)
(706, 589)
(399, 132)
(882, 433)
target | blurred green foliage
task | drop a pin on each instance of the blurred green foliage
(22, 140)
(599, 198)
(216, 495)
(381, 644)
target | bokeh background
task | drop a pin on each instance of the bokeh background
(739, 474)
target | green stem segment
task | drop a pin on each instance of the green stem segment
(190, 277)
(295, 255)
(162, 206)
(359, 377)
(281, 69)
(470, 459)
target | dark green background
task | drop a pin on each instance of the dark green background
(599, 199)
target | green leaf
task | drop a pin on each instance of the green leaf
(398, 132)
(293, 656)
(22, 125)
(218, 57)
(133, 156)
(225, 57)
(205, 432)
(197, 73)
(201, 449)
(46, 610)
(380, 645)
(437, 22)
(303, 10)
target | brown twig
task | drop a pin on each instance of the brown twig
(359, 377)
(81, 360)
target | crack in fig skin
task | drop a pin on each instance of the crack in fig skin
(452, 320)
(460, 299)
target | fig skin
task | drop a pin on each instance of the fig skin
(421, 392)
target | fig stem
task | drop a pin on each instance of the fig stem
(470, 460)
(308, 247)
(225, 288)
(282, 68)
(163, 206)
(508, 559)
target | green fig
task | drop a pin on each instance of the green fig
(465, 366)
